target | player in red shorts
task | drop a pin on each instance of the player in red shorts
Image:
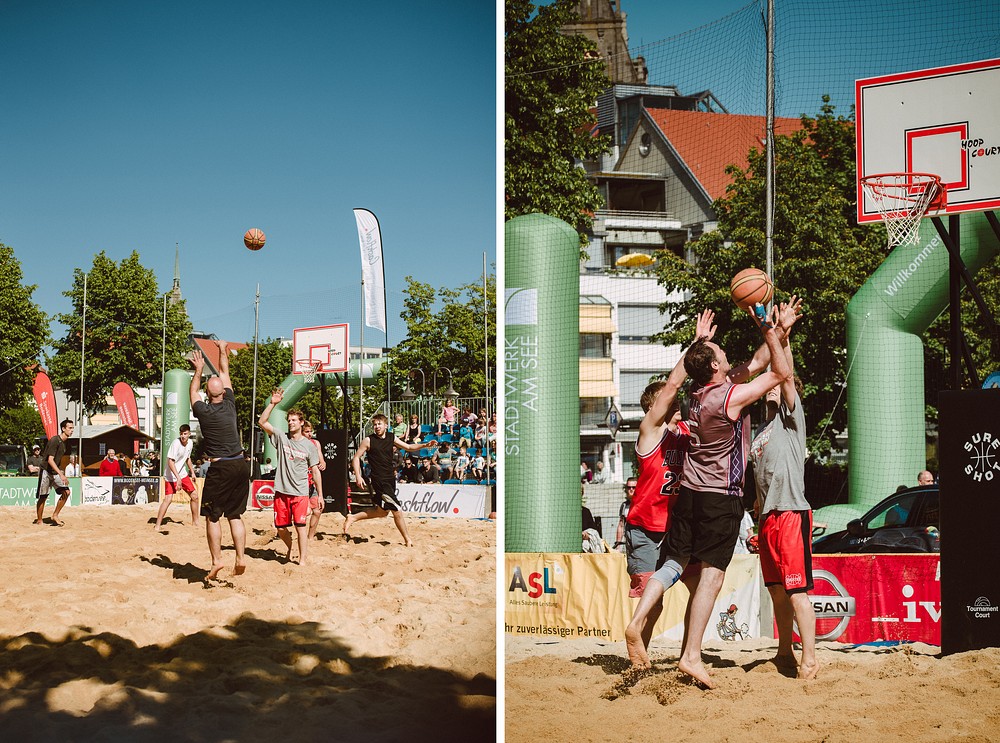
(296, 456)
(178, 477)
(316, 503)
(778, 453)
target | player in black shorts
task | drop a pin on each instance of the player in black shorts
(379, 447)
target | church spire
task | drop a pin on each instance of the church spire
(175, 292)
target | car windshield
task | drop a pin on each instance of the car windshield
(895, 513)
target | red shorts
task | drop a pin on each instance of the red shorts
(786, 550)
(169, 488)
(289, 509)
(316, 503)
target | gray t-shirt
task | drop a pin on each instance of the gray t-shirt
(778, 453)
(294, 458)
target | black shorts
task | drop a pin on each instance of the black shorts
(384, 494)
(703, 526)
(227, 489)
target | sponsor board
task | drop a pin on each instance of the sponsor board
(21, 491)
(868, 598)
(555, 595)
(435, 499)
(262, 494)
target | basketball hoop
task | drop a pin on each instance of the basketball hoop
(903, 199)
(308, 369)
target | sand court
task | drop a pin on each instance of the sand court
(108, 631)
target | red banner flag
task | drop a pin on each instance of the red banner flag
(46, 403)
(128, 413)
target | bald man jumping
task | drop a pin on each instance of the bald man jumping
(226, 486)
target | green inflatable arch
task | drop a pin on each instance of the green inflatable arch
(885, 387)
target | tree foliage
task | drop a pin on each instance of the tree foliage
(25, 332)
(446, 330)
(551, 84)
(21, 425)
(820, 254)
(124, 332)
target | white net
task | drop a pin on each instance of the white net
(903, 200)
(307, 368)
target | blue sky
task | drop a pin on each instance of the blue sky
(139, 125)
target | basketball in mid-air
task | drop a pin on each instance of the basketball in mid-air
(751, 286)
(254, 239)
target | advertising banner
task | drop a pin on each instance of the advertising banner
(871, 598)
(21, 491)
(262, 494)
(120, 491)
(552, 595)
(435, 499)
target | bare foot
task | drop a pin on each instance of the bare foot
(214, 571)
(697, 671)
(636, 649)
(409, 543)
(37, 522)
(57, 522)
(808, 671)
(348, 522)
(785, 660)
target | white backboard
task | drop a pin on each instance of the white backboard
(944, 121)
(324, 343)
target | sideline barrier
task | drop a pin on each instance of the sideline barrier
(455, 501)
(556, 595)
(858, 598)
(871, 598)
(20, 491)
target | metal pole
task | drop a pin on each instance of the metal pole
(361, 367)
(253, 398)
(769, 144)
(486, 361)
(83, 351)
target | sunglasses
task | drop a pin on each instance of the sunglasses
(630, 487)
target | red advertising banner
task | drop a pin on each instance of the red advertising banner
(262, 494)
(46, 403)
(870, 598)
(128, 413)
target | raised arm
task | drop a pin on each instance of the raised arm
(265, 414)
(788, 314)
(415, 446)
(654, 419)
(227, 383)
(198, 362)
(749, 392)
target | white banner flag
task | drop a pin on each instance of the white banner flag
(372, 268)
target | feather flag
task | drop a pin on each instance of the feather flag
(372, 268)
(46, 403)
(128, 413)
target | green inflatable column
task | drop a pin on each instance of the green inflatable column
(885, 391)
(541, 358)
(176, 410)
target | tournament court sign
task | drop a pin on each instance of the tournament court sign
(969, 446)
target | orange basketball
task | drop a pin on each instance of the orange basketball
(254, 239)
(751, 286)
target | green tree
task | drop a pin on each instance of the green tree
(445, 330)
(124, 331)
(25, 332)
(551, 84)
(820, 253)
(20, 425)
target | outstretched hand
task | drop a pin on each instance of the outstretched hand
(197, 360)
(789, 312)
(277, 395)
(704, 329)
